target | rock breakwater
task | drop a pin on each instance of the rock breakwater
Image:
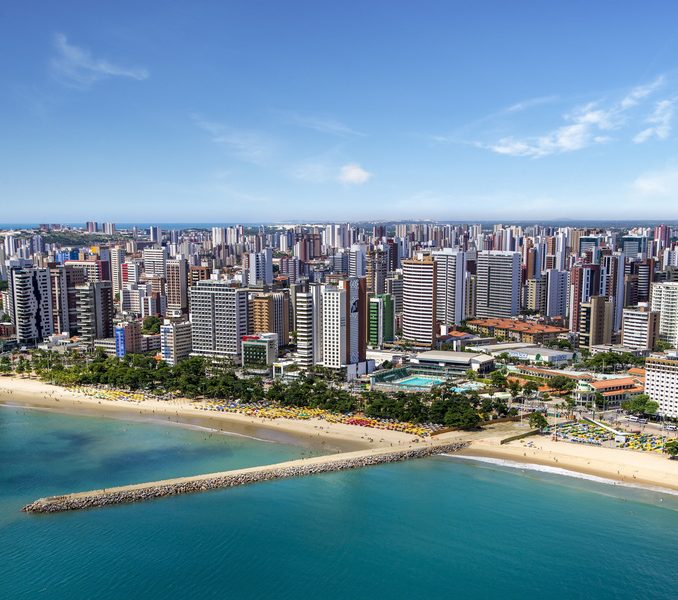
(213, 481)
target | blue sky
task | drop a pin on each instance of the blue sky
(276, 111)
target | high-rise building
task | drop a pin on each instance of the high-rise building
(176, 341)
(640, 328)
(661, 382)
(64, 280)
(176, 287)
(334, 327)
(584, 283)
(450, 289)
(155, 261)
(498, 284)
(127, 338)
(155, 234)
(665, 302)
(93, 268)
(219, 318)
(260, 272)
(117, 256)
(376, 270)
(30, 304)
(419, 300)
(595, 322)
(94, 307)
(536, 295)
(394, 287)
(309, 325)
(381, 320)
(270, 314)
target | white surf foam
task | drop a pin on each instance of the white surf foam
(512, 464)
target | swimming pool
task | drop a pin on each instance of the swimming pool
(419, 381)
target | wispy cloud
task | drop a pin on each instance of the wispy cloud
(660, 122)
(321, 124)
(76, 67)
(354, 174)
(588, 125)
(247, 145)
(530, 103)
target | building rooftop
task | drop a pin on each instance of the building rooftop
(516, 325)
(453, 357)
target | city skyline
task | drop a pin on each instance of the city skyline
(217, 115)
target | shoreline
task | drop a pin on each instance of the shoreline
(314, 433)
(631, 468)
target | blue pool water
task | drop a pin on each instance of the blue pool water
(434, 528)
(419, 381)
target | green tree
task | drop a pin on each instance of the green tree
(640, 405)
(498, 379)
(561, 383)
(151, 325)
(537, 420)
(514, 388)
(671, 448)
(530, 388)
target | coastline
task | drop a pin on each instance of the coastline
(315, 433)
(650, 470)
(639, 469)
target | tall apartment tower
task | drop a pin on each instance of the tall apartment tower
(334, 327)
(394, 287)
(640, 328)
(381, 320)
(117, 256)
(309, 325)
(419, 300)
(596, 321)
(30, 304)
(450, 288)
(94, 306)
(175, 341)
(176, 287)
(260, 268)
(498, 284)
(584, 283)
(661, 382)
(557, 292)
(376, 270)
(271, 314)
(155, 261)
(665, 302)
(219, 319)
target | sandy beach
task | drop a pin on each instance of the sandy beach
(639, 468)
(316, 433)
(627, 466)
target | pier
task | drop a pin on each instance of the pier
(213, 481)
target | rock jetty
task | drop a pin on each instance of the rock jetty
(213, 481)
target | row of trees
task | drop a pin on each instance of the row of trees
(198, 377)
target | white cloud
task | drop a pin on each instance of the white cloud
(354, 174)
(585, 126)
(76, 67)
(322, 124)
(657, 184)
(641, 92)
(660, 121)
(249, 146)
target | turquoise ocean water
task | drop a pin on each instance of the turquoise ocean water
(439, 527)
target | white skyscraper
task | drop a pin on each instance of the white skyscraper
(665, 301)
(450, 279)
(219, 318)
(557, 293)
(498, 284)
(334, 327)
(260, 268)
(419, 300)
(155, 261)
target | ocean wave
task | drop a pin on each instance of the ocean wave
(513, 464)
